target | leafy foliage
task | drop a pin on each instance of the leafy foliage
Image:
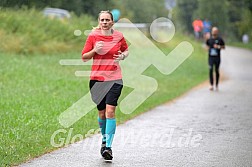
(231, 16)
(28, 31)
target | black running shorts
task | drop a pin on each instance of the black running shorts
(105, 92)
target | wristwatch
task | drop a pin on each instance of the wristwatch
(123, 56)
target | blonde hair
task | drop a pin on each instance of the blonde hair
(101, 12)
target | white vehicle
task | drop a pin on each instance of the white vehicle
(56, 13)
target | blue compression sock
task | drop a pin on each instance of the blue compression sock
(102, 125)
(110, 131)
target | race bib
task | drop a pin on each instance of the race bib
(213, 52)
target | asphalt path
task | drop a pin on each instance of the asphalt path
(201, 128)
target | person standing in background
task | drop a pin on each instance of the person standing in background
(197, 27)
(207, 29)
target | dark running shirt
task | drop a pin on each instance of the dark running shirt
(214, 51)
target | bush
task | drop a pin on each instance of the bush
(28, 32)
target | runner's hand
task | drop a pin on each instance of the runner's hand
(119, 56)
(98, 46)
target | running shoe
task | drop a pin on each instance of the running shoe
(103, 147)
(107, 154)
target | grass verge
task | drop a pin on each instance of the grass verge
(242, 45)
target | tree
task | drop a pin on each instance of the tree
(183, 14)
(240, 17)
(216, 11)
(94, 7)
(141, 11)
(233, 17)
(77, 6)
(30, 3)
